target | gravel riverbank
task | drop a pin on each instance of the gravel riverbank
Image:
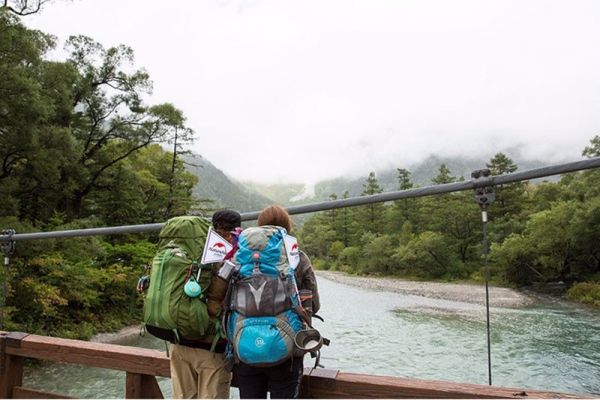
(468, 293)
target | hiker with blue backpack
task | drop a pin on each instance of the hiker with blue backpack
(265, 314)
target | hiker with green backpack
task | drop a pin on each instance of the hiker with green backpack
(199, 370)
(183, 298)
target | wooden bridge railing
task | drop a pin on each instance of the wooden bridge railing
(142, 366)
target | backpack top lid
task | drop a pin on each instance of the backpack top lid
(186, 232)
(263, 245)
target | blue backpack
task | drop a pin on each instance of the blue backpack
(263, 312)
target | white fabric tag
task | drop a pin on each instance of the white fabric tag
(215, 248)
(291, 247)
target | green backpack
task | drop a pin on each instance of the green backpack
(174, 302)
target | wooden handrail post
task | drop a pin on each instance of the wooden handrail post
(317, 378)
(11, 367)
(140, 386)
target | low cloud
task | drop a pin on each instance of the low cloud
(282, 91)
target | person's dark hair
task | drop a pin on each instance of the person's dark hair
(226, 220)
(275, 215)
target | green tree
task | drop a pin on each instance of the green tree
(510, 198)
(109, 109)
(317, 236)
(345, 224)
(405, 209)
(371, 216)
(545, 252)
(546, 194)
(458, 219)
(96, 122)
(143, 187)
(404, 182)
(24, 102)
(426, 256)
(584, 232)
(377, 251)
(178, 136)
(336, 250)
(594, 149)
(352, 259)
(443, 176)
(36, 102)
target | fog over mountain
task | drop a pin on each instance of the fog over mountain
(252, 196)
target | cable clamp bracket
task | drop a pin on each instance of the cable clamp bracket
(484, 189)
(8, 245)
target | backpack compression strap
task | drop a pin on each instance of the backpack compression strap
(218, 334)
(288, 284)
(227, 311)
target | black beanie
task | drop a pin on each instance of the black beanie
(226, 219)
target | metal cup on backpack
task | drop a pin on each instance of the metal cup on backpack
(308, 340)
(226, 270)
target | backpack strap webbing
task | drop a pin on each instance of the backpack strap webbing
(288, 284)
(218, 334)
(226, 311)
(199, 315)
(167, 347)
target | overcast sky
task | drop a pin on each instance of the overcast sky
(300, 91)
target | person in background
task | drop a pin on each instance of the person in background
(283, 381)
(196, 371)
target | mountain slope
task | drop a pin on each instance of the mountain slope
(213, 184)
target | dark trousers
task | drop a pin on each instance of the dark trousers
(283, 380)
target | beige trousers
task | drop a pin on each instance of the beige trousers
(198, 374)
